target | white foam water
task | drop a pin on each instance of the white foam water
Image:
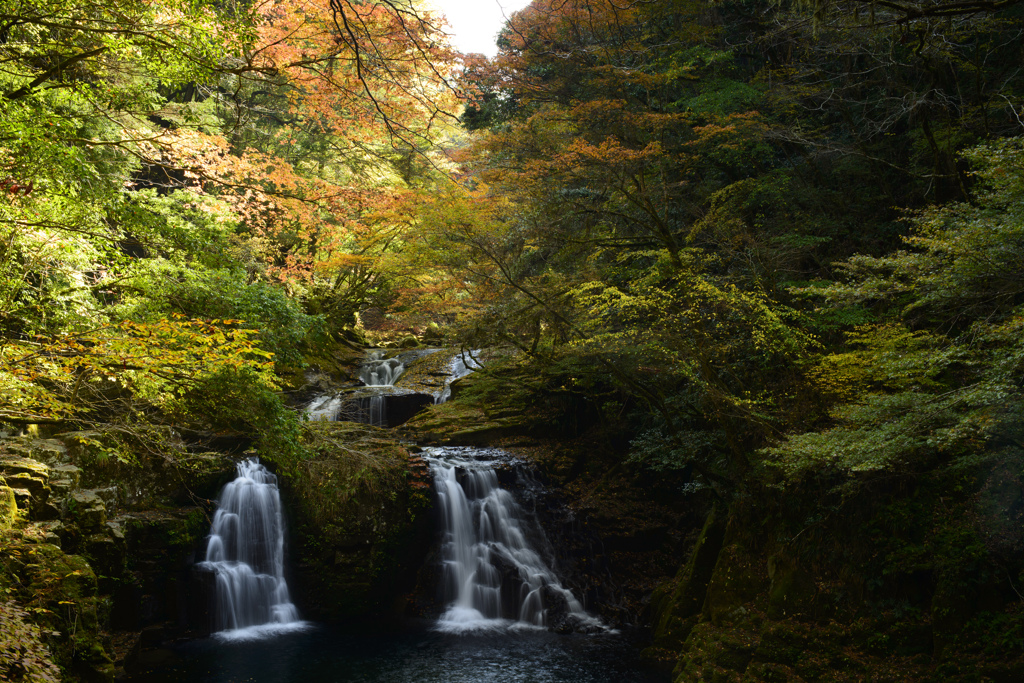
(245, 551)
(496, 571)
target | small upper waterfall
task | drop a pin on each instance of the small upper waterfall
(245, 551)
(324, 407)
(378, 371)
(378, 401)
(460, 366)
(496, 560)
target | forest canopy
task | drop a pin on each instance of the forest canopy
(769, 237)
(196, 189)
(746, 277)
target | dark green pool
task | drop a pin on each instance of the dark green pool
(327, 655)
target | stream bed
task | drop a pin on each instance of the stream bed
(324, 654)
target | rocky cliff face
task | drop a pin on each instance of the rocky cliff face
(359, 521)
(100, 534)
(900, 583)
(868, 577)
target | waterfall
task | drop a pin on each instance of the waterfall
(245, 552)
(496, 565)
(324, 407)
(378, 371)
(460, 366)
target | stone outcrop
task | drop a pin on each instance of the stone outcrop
(358, 521)
(103, 533)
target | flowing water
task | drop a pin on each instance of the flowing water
(497, 563)
(485, 636)
(245, 552)
(460, 366)
(324, 407)
(378, 375)
(507, 617)
(378, 371)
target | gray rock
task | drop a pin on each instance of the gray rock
(68, 472)
(87, 509)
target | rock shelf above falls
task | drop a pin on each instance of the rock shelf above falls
(393, 387)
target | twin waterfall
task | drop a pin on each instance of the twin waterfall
(496, 561)
(495, 572)
(245, 551)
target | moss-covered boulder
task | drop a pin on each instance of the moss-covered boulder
(468, 424)
(160, 547)
(358, 519)
(737, 579)
(48, 451)
(148, 470)
(677, 605)
(8, 507)
(88, 510)
(60, 592)
(101, 541)
(792, 591)
(327, 368)
(28, 480)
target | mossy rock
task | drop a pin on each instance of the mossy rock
(13, 465)
(426, 372)
(106, 552)
(677, 605)
(457, 424)
(8, 508)
(162, 537)
(444, 419)
(781, 645)
(203, 474)
(792, 592)
(158, 473)
(29, 480)
(48, 451)
(331, 364)
(96, 452)
(87, 509)
(358, 526)
(712, 653)
(770, 673)
(61, 590)
(737, 580)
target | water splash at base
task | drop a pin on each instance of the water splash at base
(245, 552)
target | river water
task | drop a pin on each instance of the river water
(324, 654)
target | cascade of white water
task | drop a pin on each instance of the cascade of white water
(324, 407)
(460, 366)
(493, 571)
(378, 371)
(245, 551)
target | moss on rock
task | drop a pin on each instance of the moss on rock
(736, 581)
(60, 592)
(8, 508)
(358, 520)
(677, 605)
